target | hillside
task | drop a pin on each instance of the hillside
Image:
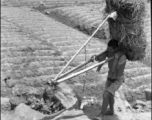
(35, 46)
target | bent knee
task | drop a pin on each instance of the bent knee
(106, 94)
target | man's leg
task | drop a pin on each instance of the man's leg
(111, 102)
(106, 97)
(105, 102)
(112, 89)
(104, 105)
(111, 105)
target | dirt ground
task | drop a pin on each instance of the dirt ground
(34, 48)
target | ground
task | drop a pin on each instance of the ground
(38, 37)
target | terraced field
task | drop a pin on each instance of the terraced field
(147, 25)
(45, 44)
(48, 3)
(35, 47)
(84, 18)
(87, 18)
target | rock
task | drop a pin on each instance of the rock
(66, 96)
(48, 93)
(142, 106)
(5, 104)
(88, 100)
(148, 103)
(148, 94)
(24, 111)
(128, 106)
(3, 83)
(6, 116)
(11, 83)
(15, 101)
(139, 104)
(45, 109)
(21, 89)
(47, 12)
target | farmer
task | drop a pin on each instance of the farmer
(115, 75)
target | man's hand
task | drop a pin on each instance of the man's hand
(52, 83)
(99, 67)
(92, 59)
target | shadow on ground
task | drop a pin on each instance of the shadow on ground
(74, 113)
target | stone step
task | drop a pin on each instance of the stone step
(148, 94)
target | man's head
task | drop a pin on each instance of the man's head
(112, 46)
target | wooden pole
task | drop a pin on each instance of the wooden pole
(80, 72)
(112, 15)
(74, 69)
(81, 48)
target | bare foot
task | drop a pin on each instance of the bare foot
(109, 112)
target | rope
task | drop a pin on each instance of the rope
(85, 51)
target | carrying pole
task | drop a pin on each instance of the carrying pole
(74, 69)
(112, 15)
(82, 71)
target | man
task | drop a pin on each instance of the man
(115, 75)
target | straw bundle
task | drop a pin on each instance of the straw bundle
(128, 28)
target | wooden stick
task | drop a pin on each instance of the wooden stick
(82, 47)
(87, 69)
(74, 69)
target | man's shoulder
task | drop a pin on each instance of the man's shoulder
(122, 58)
(120, 53)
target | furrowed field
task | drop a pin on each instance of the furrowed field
(38, 38)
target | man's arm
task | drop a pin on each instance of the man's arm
(102, 56)
(121, 61)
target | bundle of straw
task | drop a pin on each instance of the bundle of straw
(128, 27)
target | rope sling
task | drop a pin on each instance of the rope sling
(85, 52)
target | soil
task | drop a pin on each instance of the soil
(101, 34)
(31, 57)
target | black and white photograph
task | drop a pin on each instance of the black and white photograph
(76, 60)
